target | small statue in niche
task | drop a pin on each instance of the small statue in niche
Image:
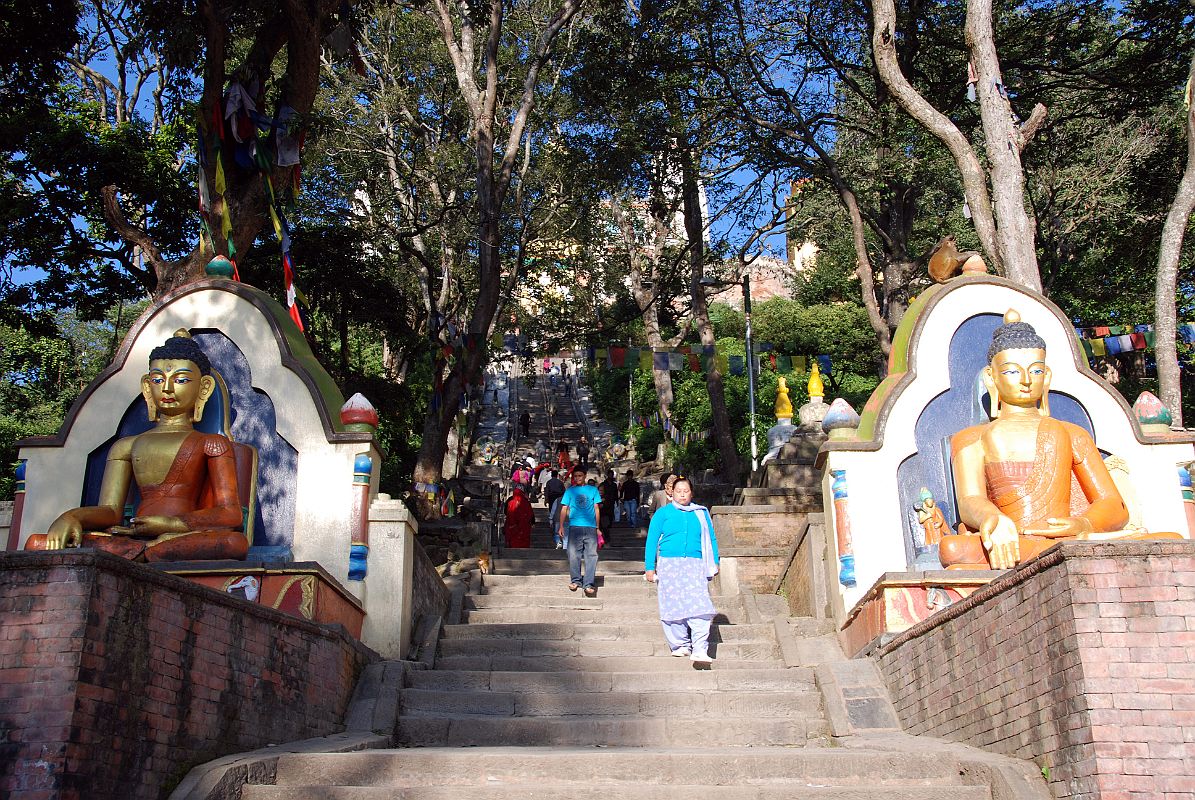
(930, 518)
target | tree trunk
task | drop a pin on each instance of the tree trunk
(695, 231)
(1165, 323)
(1015, 230)
(864, 272)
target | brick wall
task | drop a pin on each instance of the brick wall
(116, 679)
(1082, 660)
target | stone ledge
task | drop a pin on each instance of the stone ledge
(224, 778)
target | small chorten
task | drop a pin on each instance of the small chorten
(1151, 414)
(219, 267)
(358, 415)
(840, 421)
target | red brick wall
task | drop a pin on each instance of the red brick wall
(116, 679)
(1082, 661)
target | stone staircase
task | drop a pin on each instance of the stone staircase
(539, 692)
(543, 693)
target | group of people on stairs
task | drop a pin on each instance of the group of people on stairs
(680, 554)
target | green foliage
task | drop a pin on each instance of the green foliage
(41, 375)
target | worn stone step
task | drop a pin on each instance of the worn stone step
(561, 568)
(597, 648)
(716, 705)
(548, 791)
(620, 599)
(503, 663)
(621, 768)
(796, 679)
(596, 613)
(645, 631)
(477, 730)
(539, 584)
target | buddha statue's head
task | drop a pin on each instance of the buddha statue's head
(1016, 374)
(179, 381)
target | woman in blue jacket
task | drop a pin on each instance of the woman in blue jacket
(682, 557)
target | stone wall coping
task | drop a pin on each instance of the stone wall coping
(106, 562)
(1063, 551)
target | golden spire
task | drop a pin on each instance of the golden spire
(816, 387)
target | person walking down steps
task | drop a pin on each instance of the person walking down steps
(682, 558)
(580, 514)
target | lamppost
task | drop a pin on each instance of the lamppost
(746, 285)
(750, 368)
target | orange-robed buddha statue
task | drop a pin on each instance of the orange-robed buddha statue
(190, 506)
(1025, 480)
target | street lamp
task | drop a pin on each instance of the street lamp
(746, 283)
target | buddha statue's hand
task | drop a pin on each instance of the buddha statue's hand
(154, 525)
(1001, 540)
(1063, 528)
(66, 531)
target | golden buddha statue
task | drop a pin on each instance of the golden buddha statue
(190, 505)
(1025, 480)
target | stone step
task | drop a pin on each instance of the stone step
(642, 632)
(597, 648)
(564, 599)
(607, 731)
(798, 679)
(499, 583)
(551, 791)
(596, 614)
(618, 769)
(503, 663)
(432, 702)
(524, 567)
(606, 554)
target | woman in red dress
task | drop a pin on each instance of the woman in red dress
(519, 518)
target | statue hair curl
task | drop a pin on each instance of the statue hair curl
(1015, 336)
(182, 348)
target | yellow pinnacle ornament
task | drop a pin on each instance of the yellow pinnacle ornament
(816, 387)
(784, 406)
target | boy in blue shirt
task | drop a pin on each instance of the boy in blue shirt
(580, 514)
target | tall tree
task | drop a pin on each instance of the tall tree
(1004, 227)
(1168, 258)
(502, 57)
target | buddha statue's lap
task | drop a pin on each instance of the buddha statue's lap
(190, 505)
(1025, 481)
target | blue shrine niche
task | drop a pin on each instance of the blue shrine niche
(964, 404)
(253, 422)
